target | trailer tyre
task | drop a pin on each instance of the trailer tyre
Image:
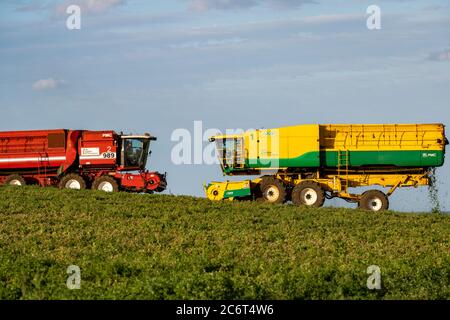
(308, 193)
(72, 181)
(272, 190)
(15, 180)
(374, 200)
(106, 184)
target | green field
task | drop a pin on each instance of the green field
(168, 247)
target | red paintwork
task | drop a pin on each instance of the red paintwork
(145, 180)
(29, 149)
(104, 141)
(45, 156)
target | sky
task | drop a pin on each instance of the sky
(157, 66)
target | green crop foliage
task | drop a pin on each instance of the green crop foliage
(132, 246)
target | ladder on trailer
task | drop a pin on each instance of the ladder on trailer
(343, 163)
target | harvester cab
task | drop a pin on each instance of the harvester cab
(230, 151)
(134, 151)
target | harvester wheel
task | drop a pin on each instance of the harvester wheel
(72, 181)
(308, 193)
(374, 200)
(15, 180)
(272, 190)
(105, 183)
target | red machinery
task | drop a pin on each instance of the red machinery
(78, 159)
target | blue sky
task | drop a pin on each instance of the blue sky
(155, 66)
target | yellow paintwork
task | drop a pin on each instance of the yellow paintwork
(375, 137)
(278, 143)
(294, 141)
(216, 190)
(331, 183)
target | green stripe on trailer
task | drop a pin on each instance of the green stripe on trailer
(407, 158)
(310, 159)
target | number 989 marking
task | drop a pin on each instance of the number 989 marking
(109, 155)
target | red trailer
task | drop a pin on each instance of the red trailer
(78, 159)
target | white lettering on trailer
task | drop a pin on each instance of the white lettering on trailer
(429, 155)
(35, 159)
(90, 151)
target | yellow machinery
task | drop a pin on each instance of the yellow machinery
(307, 163)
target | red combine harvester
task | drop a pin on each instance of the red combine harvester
(78, 159)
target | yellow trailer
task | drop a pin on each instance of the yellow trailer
(306, 164)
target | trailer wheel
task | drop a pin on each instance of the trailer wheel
(72, 181)
(308, 193)
(374, 200)
(105, 183)
(272, 190)
(15, 180)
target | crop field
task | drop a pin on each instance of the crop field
(131, 246)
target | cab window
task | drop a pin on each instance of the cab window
(133, 152)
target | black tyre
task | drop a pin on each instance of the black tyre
(15, 180)
(308, 193)
(72, 181)
(272, 190)
(106, 184)
(374, 200)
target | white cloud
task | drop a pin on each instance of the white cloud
(440, 56)
(46, 84)
(332, 18)
(207, 43)
(90, 6)
(32, 6)
(205, 5)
